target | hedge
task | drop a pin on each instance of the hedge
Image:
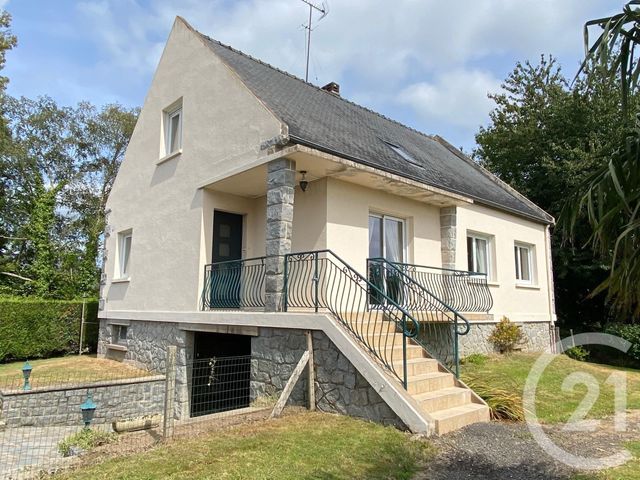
(631, 333)
(37, 328)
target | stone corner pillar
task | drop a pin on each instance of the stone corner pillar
(281, 177)
(448, 225)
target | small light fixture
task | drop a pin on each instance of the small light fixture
(26, 373)
(88, 409)
(303, 182)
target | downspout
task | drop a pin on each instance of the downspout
(550, 283)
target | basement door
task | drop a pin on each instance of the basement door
(221, 373)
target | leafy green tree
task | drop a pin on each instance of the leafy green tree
(61, 168)
(543, 139)
(609, 199)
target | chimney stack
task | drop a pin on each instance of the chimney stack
(332, 87)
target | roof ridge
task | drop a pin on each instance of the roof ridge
(339, 97)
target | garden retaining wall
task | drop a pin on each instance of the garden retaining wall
(60, 405)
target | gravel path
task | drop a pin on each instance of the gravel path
(501, 451)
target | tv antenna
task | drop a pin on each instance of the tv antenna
(324, 11)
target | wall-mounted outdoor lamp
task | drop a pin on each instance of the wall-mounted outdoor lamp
(88, 410)
(26, 373)
(303, 182)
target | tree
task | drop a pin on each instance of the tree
(60, 170)
(542, 140)
(609, 199)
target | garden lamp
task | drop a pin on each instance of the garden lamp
(88, 409)
(26, 373)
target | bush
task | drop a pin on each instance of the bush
(474, 359)
(577, 353)
(631, 333)
(506, 335)
(504, 404)
(37, 328)
(84, 440)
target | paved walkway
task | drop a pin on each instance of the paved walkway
(24, 447)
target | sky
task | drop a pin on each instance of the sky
(429, 64)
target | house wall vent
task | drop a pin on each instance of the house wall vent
(332, 87)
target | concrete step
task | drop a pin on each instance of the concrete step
(457, 417)
(444, 399)
(429, 382)
(418, 366)
(394, 354)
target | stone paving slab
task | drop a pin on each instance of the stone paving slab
(27, 448)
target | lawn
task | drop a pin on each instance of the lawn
(296, 446)
(552, 403)
(65, 370)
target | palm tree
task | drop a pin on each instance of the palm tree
(610, 198)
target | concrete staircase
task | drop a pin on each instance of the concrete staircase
(444, 400)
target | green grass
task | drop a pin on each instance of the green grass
(64, 370)
(552, 403)
(628, 471)
(301, 446)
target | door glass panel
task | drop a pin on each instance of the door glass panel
(375, 237)
(394, 243)
(482, 259)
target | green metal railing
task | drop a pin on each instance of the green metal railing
(234, 284)
(322, 280)
(440, 323)
(464, 291)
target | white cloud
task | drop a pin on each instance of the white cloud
(458, 97)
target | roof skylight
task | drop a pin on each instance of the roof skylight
(404, 154)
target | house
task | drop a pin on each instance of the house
(252, 207)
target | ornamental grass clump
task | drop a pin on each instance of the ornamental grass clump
(504, 404)
(506, 335)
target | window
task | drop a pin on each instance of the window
(124, 254)
(173, 129)
(478, 254)
(404, 154)
(119, 334)
(386, 238)
(524, 263)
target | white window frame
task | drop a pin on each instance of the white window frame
(123, 271)
(518, 262)
(405, 242)
(169, 116)
(486, 238)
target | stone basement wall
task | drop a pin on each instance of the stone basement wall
(146, 348)
(537, 338)
(339, 386)
(116, 400)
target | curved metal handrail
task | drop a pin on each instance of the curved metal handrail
(234, 284)
(463, 290)
(435, 315)
(321, 279)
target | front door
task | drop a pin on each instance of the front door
(226, 271)
(386, 240)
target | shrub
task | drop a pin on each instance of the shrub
(37, 328)
(577, 353)
(504, 404)
(85, 440)
(506, 335)
(474, 359)
(631, 333)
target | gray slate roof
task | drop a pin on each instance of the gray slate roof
(332, 124)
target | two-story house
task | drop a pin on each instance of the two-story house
(252, 206)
